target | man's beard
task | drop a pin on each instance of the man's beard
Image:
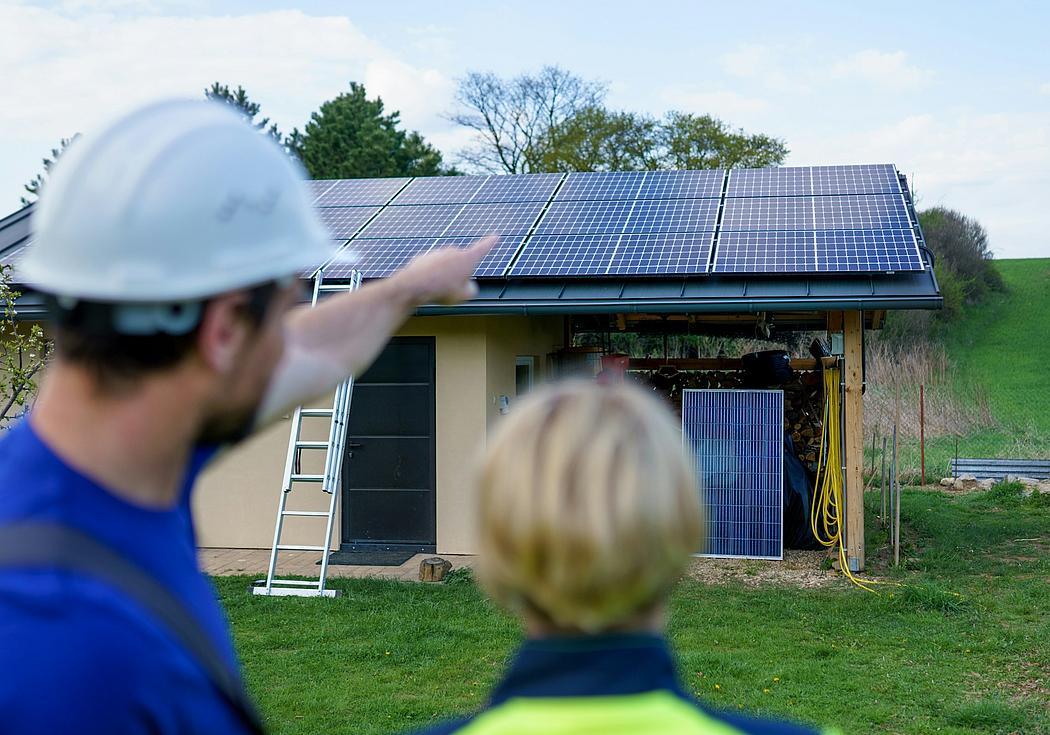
(229, 427)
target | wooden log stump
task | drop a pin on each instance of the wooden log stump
(434, 569)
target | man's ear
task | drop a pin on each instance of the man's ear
(223, 332)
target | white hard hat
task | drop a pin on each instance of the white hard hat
(177, 201)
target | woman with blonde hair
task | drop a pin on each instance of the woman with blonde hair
(588, 513)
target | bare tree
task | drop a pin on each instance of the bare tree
(514, 119)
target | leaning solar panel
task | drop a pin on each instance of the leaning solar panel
(422, 220)
(871, 211)
(517, 188)
(676, 253)
(508, 218)
(566, 255)
(359, 192)
(736, 441)
(345, 221)
(870, 179)
(376, 258)
(682, 184)
(440, 190)
(600, 185)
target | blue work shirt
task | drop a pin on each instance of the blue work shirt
(76, 655)
(613, 684)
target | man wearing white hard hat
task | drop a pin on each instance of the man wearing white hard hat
(168, 248)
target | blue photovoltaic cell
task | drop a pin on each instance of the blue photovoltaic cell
(423, 220)
(359, 192)
(378, 258)
(441, 190)
(345, 221)
(517, 188)
(736, 441)
(771, 213)
(872, 211)
(765, 252)
(873, 179)
(682, 184)
(508, 218)
(493, 265)
(592, 186)
(817, 251)
(578, 217)
(566, 255)
(682, 253)
(769, 182)
(867, 251)
(316, 187)
(673, 215)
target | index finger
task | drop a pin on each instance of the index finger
(482, 247)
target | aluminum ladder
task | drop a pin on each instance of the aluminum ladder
(333, 448)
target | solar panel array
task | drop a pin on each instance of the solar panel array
(819, 219)
(736, 441)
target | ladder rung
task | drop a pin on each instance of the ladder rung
(316, 412)
(304, 513)
(298, 582)
(307, 478)
(297, 547)
(311, 445)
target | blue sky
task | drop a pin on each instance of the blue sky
(959, 99)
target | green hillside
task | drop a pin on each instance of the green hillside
(1004, 345)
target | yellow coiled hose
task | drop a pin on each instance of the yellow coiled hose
(827, 514)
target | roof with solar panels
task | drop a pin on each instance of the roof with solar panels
(812, 238)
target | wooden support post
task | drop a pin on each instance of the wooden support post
(854, 440)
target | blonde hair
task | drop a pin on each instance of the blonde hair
(587, 505)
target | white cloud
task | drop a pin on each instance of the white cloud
(803, 68)
(66, 72)
(731, 106)
(881, 69)
(990, 166)
(1044, 88)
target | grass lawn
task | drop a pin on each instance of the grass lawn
(962, 647)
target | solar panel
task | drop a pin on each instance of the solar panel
(577, 217)
(817, 251)
(736, 441)
(771, 213)
(604, 185)
(518, 188)
(685, 253)
(513, 218)
(765, 252)
(359, 192)
(673, 215)
(12, 256)
(867, 251)
(682, 184)
(316, 187)
(441, 190)
(768, 182)
(493, 265)
(423, 220)
(873, 179)
(345, 221)
(378, 258)
(566, 255)
(873, 211)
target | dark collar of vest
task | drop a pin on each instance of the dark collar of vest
(588, 667)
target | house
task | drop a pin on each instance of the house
(833, 250)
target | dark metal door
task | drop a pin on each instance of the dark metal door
(389, 479)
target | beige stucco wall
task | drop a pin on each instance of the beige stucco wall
(236, 500)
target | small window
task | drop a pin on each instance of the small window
(524, 368)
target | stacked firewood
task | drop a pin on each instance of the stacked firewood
(803, 400)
